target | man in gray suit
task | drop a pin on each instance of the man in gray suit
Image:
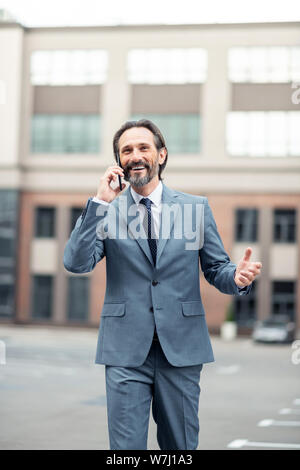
(153, 337)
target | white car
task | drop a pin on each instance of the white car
(275, 329)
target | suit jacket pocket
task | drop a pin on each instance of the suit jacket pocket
(113, 310)
(192, 308)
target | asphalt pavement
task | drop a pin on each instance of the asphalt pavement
(53, 394)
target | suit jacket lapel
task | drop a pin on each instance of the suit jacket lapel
(167, 221)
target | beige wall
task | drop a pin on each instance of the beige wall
(166, 98)
(284, 261)
(67, 99)
(43, 256)
(262, 97)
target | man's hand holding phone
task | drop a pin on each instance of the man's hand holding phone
(105, 190)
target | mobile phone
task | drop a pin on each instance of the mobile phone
(119, 177)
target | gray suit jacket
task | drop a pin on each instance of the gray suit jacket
(140, 295)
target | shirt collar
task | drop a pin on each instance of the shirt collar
(155, 196)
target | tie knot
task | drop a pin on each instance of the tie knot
(146, 202)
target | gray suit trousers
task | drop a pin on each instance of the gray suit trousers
(174, 392)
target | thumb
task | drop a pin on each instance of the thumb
(247, 254)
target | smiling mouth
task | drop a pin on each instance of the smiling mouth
(138, 168)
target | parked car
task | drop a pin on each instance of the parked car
(275, 329)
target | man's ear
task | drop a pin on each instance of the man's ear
(162, 155)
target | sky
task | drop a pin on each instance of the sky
(113, 12)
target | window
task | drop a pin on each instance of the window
(44, 222)
(245, 307)
(246, 225)
(263, 134)
(42, 297)
(181, 131)
(284, 228)
(7, 242)
(167, 65)
(8, 208)
(65, 133)
(8, 239)
(63, 67)
(78, 298)
(75, 214)
(283, 298)
(264, 64)
(7, 292)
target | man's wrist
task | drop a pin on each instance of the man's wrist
(242, 287)
(100, 201)
(239, 287)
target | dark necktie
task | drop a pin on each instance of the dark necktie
(152, 241)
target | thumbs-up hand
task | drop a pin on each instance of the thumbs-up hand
(247, 270)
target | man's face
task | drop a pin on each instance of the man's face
(139, 156)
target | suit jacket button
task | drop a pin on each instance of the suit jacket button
(151, 309)
(154, 283)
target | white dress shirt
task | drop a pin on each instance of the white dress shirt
(156, 207)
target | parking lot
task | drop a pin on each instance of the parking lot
(53, 395)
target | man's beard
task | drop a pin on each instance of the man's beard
(137, 180)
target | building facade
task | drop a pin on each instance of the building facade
(227, 99)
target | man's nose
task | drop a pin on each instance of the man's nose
(136, 155)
